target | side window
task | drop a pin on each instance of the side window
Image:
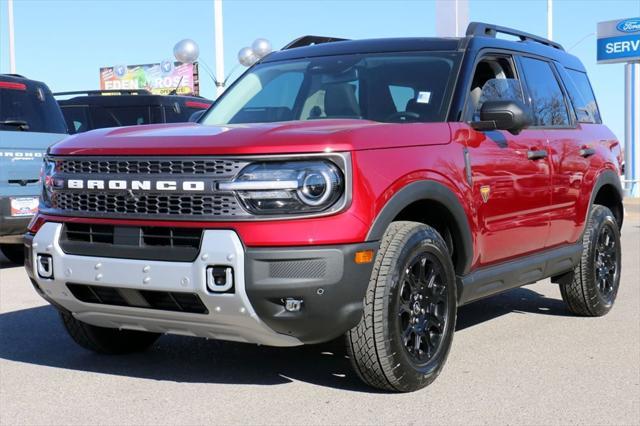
(547, 99)
(582, 97)
(76, 118)
(173, 113)
(494, 79)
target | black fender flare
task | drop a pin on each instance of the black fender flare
(607, 177)
(428, 191)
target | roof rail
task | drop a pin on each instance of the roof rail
(480, 29)
(308, 40)
(105, 92)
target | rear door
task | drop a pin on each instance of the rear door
(573, 158)
(552, 113)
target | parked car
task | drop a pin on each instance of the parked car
(30, 121)
(361, 188)
(97, 109)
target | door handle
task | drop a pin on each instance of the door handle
(587, 151)
(537, 154)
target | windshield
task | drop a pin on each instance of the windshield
(29, 107)
(396, 87)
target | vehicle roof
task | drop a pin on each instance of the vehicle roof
(17, 78)
(378, 45)
(112, 100)
(464, 44)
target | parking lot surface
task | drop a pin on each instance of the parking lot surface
(519, 357)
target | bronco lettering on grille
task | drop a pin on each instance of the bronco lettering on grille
(137, 185)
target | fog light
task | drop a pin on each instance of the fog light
(44, 263)
(292, 305)
(219, 279)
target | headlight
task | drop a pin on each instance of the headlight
(288, 187)
(46, 176)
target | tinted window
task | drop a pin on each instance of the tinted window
(547, 99)
(379, 87)
(29, 107)
(582, 97)
(174, 114)
(119, 116)
(77, 118)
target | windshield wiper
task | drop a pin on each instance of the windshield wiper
(20, 124)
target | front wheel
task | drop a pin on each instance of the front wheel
(596, 279)
(403, 340)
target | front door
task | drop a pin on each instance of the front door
(510, 173)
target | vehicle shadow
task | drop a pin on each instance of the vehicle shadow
(519, 300)
(36, 336)
(5, 263)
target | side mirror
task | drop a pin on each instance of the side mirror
(195, 117)
(512, 116)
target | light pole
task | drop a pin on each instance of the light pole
(550, 19)
(12, 47)
(219, 46)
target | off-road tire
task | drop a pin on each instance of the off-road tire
(13, 252)
(376, 350)
(582, 294)
(106, 340)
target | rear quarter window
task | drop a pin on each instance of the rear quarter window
(582, 97)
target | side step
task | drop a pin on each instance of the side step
(491, 280)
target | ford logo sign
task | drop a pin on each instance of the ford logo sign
(629, 25)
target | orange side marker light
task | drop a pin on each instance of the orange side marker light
(364, 256)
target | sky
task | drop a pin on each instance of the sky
(65, 42)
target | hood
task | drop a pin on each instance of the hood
(252, 139)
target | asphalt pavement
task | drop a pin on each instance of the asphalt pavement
(517, 358)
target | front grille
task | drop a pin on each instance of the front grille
(214, 205)
(149, 299)
(147, 202)
(131, 242)
(216, 167)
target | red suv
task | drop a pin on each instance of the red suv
(361, 188)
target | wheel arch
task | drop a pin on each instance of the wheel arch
(436, 205)
(608, 192)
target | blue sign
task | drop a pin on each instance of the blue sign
(619, 40)
(613, 48)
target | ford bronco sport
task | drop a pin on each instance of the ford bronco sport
(30, 121)
(361, 188)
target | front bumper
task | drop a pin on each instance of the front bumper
(329, 283)
(11, 227)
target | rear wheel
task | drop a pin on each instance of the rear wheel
(403, 340)
(106, 340)
(596, 279)
(13, 252)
